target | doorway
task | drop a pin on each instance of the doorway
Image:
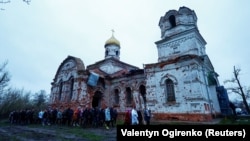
(97, 98)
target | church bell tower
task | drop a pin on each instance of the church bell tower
(112, 47)
(179, 35)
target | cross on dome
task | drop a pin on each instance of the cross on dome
(112, 40)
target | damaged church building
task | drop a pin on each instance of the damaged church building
(182, 85)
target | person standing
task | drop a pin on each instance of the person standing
(140, 119)
(45, 117)
(113, 113)
(127, 119)
(134, 117)
(69, 114)
(40, 116)
(59, 117)
(147, 116)
(107, 117)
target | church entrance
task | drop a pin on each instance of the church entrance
(96, 102)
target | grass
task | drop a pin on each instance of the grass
(72, 132)
(119, 122)
(66, 133)
(63, 133)
(4, 122)
(80, 133)
(230, 120)
(235, 121)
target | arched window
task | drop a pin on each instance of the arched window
(60, 91)
(116, 96)
(106, 53)
(128, 96)
(143, 93)
(117, 53)
(71, 89)
(170, 90)
(211, 79)
(172, 21)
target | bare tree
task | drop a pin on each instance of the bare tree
(238, 89)
(9, 1)
(40, 99)
(27, 1)
(4, 77)
(4, 1)
(15, 99)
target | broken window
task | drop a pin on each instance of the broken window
(211, 79)
(172, 21)
(128, 96)
(170, 90)
(71, 89)
(60, 91)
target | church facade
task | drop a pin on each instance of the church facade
(182, 85)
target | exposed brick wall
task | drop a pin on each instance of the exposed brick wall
(182, 117)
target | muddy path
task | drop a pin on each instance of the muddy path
(55, 133)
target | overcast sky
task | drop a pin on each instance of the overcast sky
(36, 38)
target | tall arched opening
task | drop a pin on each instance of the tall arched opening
(143, 95)
(97, 98)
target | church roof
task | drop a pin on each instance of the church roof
(113, 60)
(79, 64)
(124, 68)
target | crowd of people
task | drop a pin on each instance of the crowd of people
(88, 117)
(137, 117)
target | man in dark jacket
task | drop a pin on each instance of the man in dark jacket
(147, 116)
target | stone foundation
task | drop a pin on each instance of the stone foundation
(176, 117)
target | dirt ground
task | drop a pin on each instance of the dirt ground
(53, 133)
(10, 132)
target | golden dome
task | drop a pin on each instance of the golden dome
(112, 41)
